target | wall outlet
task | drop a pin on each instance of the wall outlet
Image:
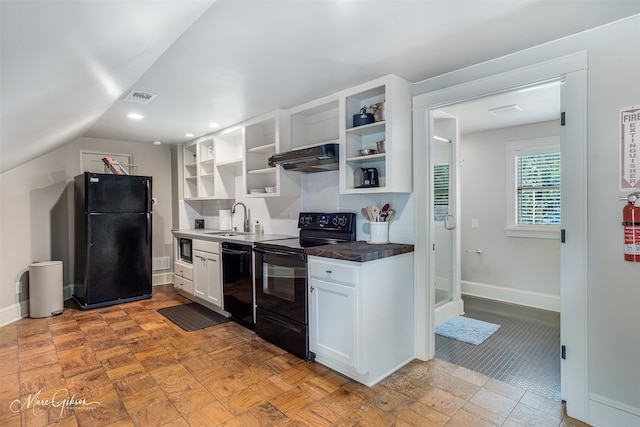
(474, 222)
(18, 288)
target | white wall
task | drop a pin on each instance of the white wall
(36, 212)
(613, 285)
(321, 193)
(513, 264)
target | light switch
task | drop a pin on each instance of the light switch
(474, 222)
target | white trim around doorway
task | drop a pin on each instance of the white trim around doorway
(572, 68)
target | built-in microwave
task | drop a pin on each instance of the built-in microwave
(184, 249)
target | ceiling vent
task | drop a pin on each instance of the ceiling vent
(513, 108)
(140, 97)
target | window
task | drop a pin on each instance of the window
(533, 188)
(440, 191)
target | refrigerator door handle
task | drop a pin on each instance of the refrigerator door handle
(149, 231)
(149, 198)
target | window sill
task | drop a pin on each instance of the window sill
(534, 232)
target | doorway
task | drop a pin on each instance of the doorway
(455, 89)
(483, 257)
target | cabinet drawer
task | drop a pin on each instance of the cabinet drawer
(206, 246)
(183, 284)
(333, 271)
(183, 270)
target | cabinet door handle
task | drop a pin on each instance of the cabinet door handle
(328, 271)
(312, 289)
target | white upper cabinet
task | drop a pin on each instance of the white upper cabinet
(315, 123)
(212, 163)
(265, 136)
(229, 149)
(389, 100)
(199, 169)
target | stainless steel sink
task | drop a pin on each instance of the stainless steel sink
(227, 233)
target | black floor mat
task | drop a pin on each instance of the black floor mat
(524, 352)
(192, 316)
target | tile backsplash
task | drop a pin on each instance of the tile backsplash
(320, 193)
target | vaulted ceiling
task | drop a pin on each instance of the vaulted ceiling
(66, 66)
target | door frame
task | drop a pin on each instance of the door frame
(573, 70)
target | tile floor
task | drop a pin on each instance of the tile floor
(127, 365)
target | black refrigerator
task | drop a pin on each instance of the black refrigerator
(112, 239)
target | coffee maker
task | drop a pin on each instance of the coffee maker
(366, 178)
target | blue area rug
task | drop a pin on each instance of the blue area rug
(467, 330)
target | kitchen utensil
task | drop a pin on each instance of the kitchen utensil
(365, 213)
(391, 213)
(380, 146)
(370, 213)
(386, 207)
(363, 118)
(367, 152)
(374, 213)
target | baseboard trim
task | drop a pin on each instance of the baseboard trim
(13, 312)
(514, 296)
(607, 412)
(162, 278)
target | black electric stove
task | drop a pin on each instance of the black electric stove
(317, 229)
(280, 276)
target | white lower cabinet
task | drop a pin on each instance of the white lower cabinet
(333, 330)
(183, 276)
(207, 280)
(361, 315)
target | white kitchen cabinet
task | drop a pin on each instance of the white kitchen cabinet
(207, 280)
(361, 315)
(183, 276)
(265, 136)
(229, 154)
(315, 123)
(199, 170)
(395, 165)
(333, 329)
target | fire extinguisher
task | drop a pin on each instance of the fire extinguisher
(631, 223)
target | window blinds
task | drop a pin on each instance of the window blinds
(538, 189)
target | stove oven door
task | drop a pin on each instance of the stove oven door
(281, 283)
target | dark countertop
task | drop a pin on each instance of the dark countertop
(360, 251)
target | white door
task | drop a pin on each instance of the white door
(333, 321)
(200, 276)
(214, 284)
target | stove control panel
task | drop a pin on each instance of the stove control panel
(342, 221)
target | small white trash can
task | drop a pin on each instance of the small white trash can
(45, 289)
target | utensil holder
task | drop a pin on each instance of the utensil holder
(379, 232)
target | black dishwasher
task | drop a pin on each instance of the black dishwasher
(237, 282)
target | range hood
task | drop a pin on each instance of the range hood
(313, 159)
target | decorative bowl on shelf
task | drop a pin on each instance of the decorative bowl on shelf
(367, 152)
(270, 189)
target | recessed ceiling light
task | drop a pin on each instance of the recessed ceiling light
(156, 142)
(505, 109)
(214, 125)
(189, 135)
(135, 116)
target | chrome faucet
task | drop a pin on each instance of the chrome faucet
(246, 217)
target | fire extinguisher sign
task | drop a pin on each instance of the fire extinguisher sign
(629, 144)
